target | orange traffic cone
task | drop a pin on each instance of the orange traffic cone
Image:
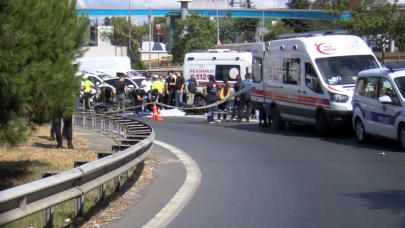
(156, 113)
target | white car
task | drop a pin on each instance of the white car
(379, 105)
(97, 77)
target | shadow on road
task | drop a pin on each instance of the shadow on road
(391, 200)
(338, 136)
(16, 170)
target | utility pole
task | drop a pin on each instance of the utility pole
(150, 38)
(218, 41)
(130, 26)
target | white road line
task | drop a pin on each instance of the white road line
(183, 195)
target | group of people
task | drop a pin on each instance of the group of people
(173, 90)
(242, 106)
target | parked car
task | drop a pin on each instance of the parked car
(379, 104)
(131, 84)
(97, 77)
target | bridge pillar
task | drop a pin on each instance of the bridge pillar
(184, 8)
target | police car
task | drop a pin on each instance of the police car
(379, 104)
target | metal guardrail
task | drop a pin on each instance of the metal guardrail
(43, 194)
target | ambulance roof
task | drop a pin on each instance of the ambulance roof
(324, 45)
(237, 56)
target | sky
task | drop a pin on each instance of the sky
(154, 4)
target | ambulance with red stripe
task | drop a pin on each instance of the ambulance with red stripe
(222, 63)
(309, 79)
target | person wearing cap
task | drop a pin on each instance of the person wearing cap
(120, 91)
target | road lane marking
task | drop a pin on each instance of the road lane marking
(183, 195)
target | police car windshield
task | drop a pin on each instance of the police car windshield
(400, 81)
(343, 70)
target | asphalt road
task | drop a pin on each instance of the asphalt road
(255, 177)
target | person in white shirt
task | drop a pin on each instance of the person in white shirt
(146, 84)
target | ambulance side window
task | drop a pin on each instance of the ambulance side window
(257, 69)
(291, 71)
(226, 72)
(311, 79)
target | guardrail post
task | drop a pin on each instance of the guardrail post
(102, 125)
(118, 131)
(79, 202)
(48, 212)
(84, 121)
(101, 192)
(117, 183)
(48, 218)
(93, 122)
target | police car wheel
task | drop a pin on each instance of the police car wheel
(361, 134)
(401, 135)
(277, 122)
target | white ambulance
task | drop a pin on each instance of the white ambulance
(223, 63)
(309, 79)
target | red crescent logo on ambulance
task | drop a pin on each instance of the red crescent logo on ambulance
(325, 48)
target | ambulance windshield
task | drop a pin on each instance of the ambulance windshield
(343, 70)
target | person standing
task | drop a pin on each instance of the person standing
(120, 91)
(67, 131)
(246, 96)
(223, 94)
(170, 88)
(211, 91)
(87, 93)
(236, 109)
(191, 89)
(179, 89)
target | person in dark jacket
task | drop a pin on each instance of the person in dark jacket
(120, 92)
(236, 109)
(246, 96)
(211, 91)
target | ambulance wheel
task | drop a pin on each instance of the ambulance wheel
(277, 122)
(321, 125)
(401, 135)
(361, 134)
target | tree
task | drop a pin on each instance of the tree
(398, 31)
(378, 22)
(246, 28)
(275, 30)
(299, 25)
(120, 36)
(227, 33)
(37, 74)
(195, 32)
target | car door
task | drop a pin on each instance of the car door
(293, 106)
(369, 104)
(386, 112)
